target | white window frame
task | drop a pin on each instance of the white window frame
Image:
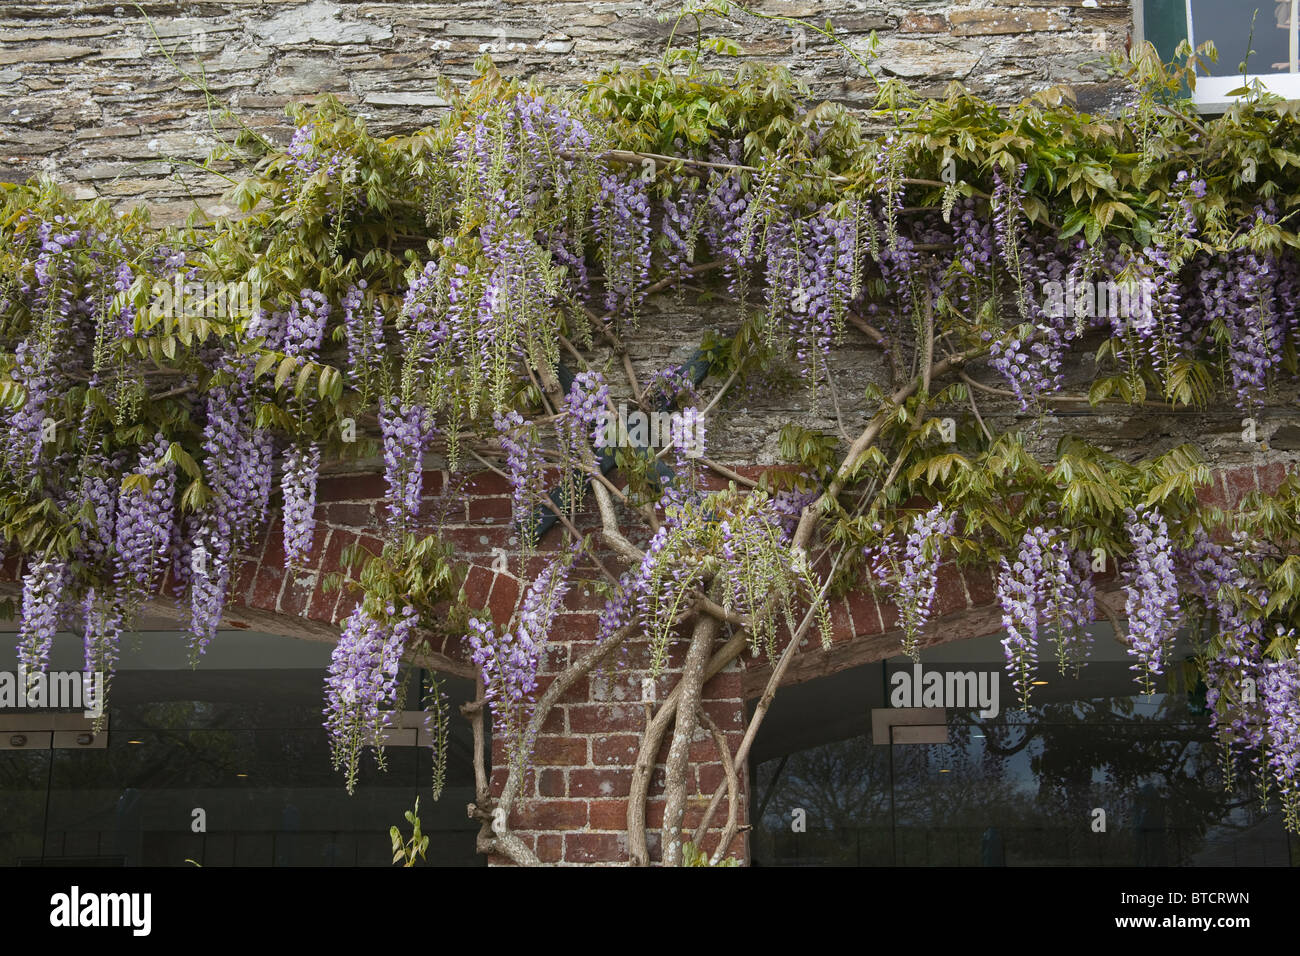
(1211, 93)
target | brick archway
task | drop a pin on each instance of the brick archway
(573, 806)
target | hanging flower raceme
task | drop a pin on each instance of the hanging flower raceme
(238, 469)
(515, 317)
(1281, 698)
(25, 426)
(509, 662)
(1022, 593)
(305, 324)
(305, 152)
(1008, 210)
(784, 289)
(586, 403)
(298, 484)
(909, 572)
(826, 279)
(44, 584)
(364, 331)
(1234, 665)
(103, 625)
(623, 227)
(888, 165)
(619, 608)
(683, 215)
(362, 684)
(1151, 592)
(525, 467)
(407, 431)
(1248, 304)
(669, 568)
(686, 434)
(304, 333)
(209, 580)
(1047, 587)
(98, 496)
(145, 516)
(1071, 604)
(41, 360)
(431, 319)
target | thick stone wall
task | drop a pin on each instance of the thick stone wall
(96, 95)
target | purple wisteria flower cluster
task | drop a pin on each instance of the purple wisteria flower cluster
(1046, 587)
(407, 431)
(305, 153)
(362, 682)
(102, 626)
(827, 263)
(686, 434)
(1234, 671)
(298, 485)
(1151, 594)
(683, 216)
(1281, 693)
(304, 331)
(1254, 703)
(725, 225)
(238, 468)
(619, 607)
(364, 331)
(1022, 592)
(305, 324)
(59, 313)
(509, 662)
(909, 571)
(668, 569)
(586, 402)
(525, 466)
(44, 582)
(671, 385)
(144, 521)
(1008, 210)
(622, 221)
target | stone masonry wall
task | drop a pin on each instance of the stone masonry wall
(95, 94)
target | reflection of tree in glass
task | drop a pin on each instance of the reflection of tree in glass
(840, 784)
(171, 752)
(1152, 772)
(847, 784)
(952, 787)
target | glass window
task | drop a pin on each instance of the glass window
(853, 770)
(1265, 36)
(238, 738)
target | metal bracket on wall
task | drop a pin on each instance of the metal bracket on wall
(45, 731)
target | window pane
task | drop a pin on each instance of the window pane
(1228, 24)
(240, 738)
(23, 778)
(1019, 788)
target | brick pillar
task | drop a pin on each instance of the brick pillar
(573, 806)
